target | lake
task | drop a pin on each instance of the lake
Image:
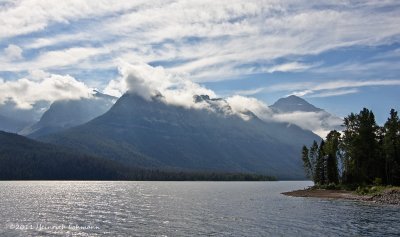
(85, 208)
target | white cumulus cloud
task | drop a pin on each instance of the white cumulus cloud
(147, 81)
(25, 92)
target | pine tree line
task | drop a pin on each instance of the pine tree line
(364, 153)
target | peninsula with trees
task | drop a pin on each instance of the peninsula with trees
(361, 163)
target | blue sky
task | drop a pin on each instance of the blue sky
(338, 55)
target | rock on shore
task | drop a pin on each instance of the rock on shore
(389, 196)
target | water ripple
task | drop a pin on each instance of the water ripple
(80, 208)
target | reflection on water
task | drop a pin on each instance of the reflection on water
(182, 209)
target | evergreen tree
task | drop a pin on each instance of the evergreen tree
(306, 163)
(367, 144)
(367, 153)
(331, 149)
(313, 154)
(391, 148)
(349, 135)
(360, 146)
(319, 173)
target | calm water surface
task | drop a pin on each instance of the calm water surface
(183, 209)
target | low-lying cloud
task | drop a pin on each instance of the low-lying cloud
(147, 81)
(40, 86)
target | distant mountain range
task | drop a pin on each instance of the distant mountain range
(150, 134)
(153, 134)
(65, 114)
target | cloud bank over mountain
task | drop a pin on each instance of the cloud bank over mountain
(147, 81)
(25, 92)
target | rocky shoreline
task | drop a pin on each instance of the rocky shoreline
(389, 196)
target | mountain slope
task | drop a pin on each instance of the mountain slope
(23, 158)
(11, 125)
(153, 134)
(69, 113)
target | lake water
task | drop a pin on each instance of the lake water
(81, 208)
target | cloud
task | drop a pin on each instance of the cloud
(75, 57)
(38, 75)
(25, 92)
(321, 89)
(205, 40)
(331, 88)
(147, 81)
(13, 52)
(249, 92)
(23, 17)
(332, 93)
(321, 123)
(290, 67)
(240, 105)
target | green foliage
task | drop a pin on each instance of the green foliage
(377, 181)
(370, 190)
(331, 149)
(361, 147)
(363, 154)
(391, 147)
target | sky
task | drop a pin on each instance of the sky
(338, 55)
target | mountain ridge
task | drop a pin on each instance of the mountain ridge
(151, 133)
(64, 114)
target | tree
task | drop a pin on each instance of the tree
(313, 154)
(367, 152)
(349, 135)
(391, 148)
(360, 146)
(306, 163)
(319, 177)
(331, 149)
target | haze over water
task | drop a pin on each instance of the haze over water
(80, 208)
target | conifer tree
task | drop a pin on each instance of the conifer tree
(319, 177)
(331, 149)
(391, 148)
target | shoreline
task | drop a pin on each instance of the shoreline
(387, 197)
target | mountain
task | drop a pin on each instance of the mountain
(293, 103)
(153, 134)
(31, 115)
(23, 158)
(12, 125)
(296, 110)
(69, 113)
